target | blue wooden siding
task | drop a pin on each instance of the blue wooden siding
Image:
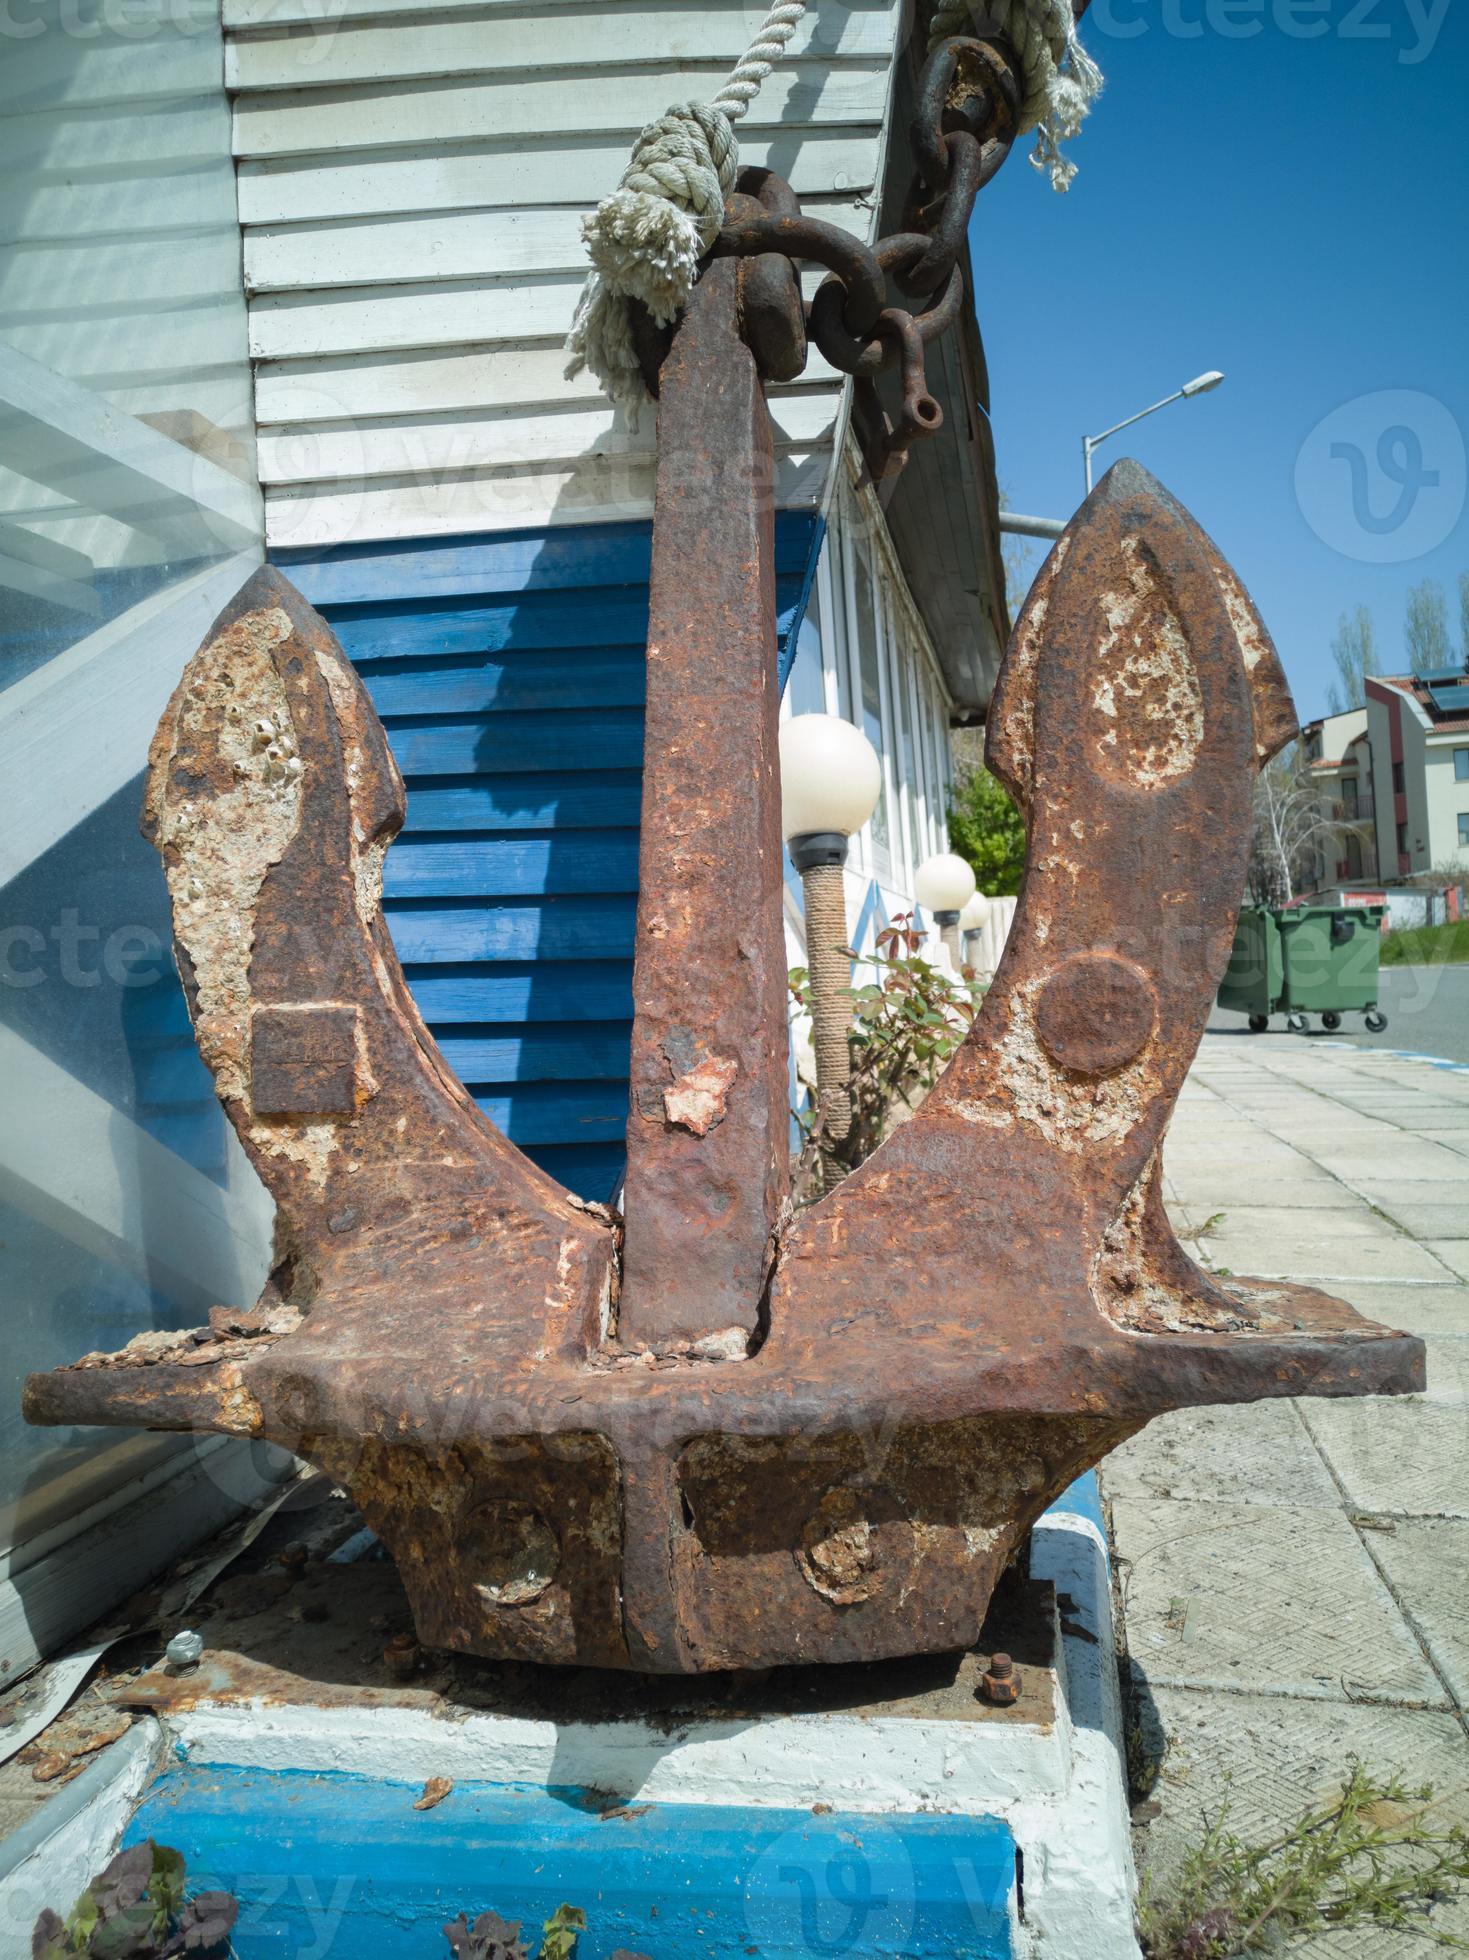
(509, 674)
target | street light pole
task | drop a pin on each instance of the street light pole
(1200, 385)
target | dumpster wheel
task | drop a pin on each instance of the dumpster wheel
(1259, 1023)
(1331, 1021)
(1375, 1020)
(1297, 1023)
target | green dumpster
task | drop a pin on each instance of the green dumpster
(1255, 977)
(1330, 956)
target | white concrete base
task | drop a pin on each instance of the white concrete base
(1061, 1789)
(51, 1860)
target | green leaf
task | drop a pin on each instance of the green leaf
(561, 1931)
(987, 830)
(83, 1921)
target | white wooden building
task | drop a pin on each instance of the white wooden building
(295, 282)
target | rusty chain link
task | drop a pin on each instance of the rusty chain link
(968, 101)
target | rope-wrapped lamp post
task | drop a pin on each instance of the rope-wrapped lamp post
(830, 780)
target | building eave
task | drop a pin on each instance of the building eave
(943, 508)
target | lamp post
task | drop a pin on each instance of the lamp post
(944, 884)
(830, 780)
(973, 916)
(1200, 385)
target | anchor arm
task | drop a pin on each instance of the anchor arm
(1011, 1232)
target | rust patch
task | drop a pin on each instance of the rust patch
(699, 1098)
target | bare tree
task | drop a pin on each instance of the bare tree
(1293, 825)
(1354, 652)
(1426, 628)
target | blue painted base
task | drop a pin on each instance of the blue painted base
(345, 1865)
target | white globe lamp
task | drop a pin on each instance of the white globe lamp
(944, 885)
(830, 780)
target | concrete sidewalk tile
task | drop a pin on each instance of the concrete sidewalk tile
(1260, 1598)
(1225, 1191)
(1430, 1220)
(1426, 1560)
(1258, 1453)
(1454, 1253)
(1182, 1158)
(1404, 1157)
(1401, 1456)
(1263, 1224)
(1428, 1311)
(1268, 1759)
(1318, 1255)
(1387, 1193)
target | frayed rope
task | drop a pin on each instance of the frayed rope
(1061, 79)
(645, 241)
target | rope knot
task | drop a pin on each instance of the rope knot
(647, 238)
(645, 241)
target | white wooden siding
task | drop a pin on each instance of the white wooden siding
(412, 181)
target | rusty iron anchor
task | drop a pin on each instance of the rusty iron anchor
(734, 1437)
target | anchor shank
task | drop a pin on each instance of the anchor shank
(707, 1150)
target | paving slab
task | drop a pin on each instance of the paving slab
(1261, 1453)
(1403, 1456)
(1454, 1253)
(1433, 1221)
(1292, 1575)
(1392, 1191)
(1304, 1189)
(1266, 1759)
(1320, 1253)
(1433, 1311)
(1404, 1157)
(1426, 1562)
(1263, 1598)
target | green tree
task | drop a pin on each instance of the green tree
(1354, 653)
(1426, 628)
(987, 830)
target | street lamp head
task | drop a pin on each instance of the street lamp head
(1202, 383)
(944, 885)
(830, 780)
(974, 914)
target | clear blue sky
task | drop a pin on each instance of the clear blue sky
(1295, 212)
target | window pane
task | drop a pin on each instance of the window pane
(805, 688)
(834, 662)
(868, 655)
(902, 681)
(1461, 765)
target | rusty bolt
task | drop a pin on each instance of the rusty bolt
(1000, 1683)
(401, 1656)
(293, 1558)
